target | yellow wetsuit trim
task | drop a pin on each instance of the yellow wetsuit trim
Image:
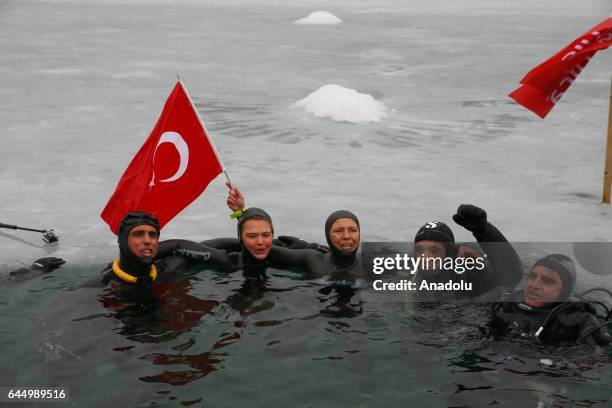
(126, 277)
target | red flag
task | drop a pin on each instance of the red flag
(171, 169)
(544, 85)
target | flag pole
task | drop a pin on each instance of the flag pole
(608, 166)
(205, 131)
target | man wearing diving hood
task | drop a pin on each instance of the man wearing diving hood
(435, 241)
(545, 309)
(143, 259)
(138, 239)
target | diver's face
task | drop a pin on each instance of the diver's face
(143, 241)
(344, 235)
(430, 251)
(257, 238)
(542, 286)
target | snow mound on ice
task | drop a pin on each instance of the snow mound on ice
(343, 105)
(319, 18)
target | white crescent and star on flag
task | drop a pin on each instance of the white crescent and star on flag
(178, 183)
(183, 150)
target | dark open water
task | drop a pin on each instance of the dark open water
(225, 340)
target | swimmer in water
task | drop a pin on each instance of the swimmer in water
(435, 241)
(545, 309)
(143, 259)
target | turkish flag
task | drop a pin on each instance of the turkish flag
(171, 169)
(544, 85)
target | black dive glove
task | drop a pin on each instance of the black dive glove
(319, 248)
(46, 265)
(471, 218)
(297, 243)
(293, 242)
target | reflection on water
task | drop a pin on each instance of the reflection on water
(160, 317)
(169, 311)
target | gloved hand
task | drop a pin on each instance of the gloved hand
(471, 218)
(293, 242)
(46, 265)
(297, 243)
(319, 248)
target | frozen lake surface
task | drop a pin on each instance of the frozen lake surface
(83, 83)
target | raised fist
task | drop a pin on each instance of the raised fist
(471, 218)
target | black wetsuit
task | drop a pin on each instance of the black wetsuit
(504, 267)
(283, 241)
(316, 260)
(299, 254)
(172, 257)
(176, 255)
(315, 264)
(555, 323)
